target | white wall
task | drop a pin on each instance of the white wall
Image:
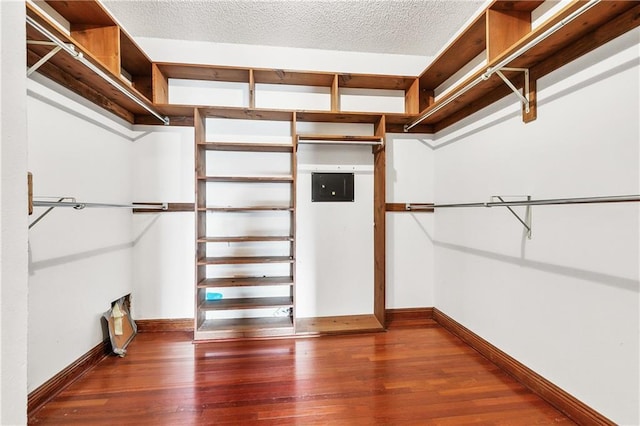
(243, 55)
(13, 218)
(565, 303)
(163, 244)
(410, 172)
(334, 252)
(79, 261)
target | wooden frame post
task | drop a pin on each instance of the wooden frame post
(379, 227)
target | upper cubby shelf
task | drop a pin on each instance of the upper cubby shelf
(502, 38)
(334, 85)
(504, 32)
(87, 29)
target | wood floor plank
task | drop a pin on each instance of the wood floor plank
(404, 376)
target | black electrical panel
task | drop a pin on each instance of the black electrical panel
(332, 187)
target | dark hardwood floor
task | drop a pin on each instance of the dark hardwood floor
(408, 375)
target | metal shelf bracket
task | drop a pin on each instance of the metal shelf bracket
(526, 222)
(524, 97)
(46, 57)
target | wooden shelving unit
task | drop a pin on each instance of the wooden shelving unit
(97, 36)
(503, 29)
(256, 323)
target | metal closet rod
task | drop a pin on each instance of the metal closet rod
(70, 49)
(337, 142)
(500, 65)
(552, 201)
(81, 205)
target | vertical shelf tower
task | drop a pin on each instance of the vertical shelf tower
(222, 259)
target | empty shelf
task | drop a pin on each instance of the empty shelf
(245, 239)
(245, 281)
(246, 303)
(248, 179)
(238, 328)
(242, 260)
(245, 146)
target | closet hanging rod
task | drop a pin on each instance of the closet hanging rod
(503, 63)
(338, 142)
(70, 49)
(552, 201)
(81, 205)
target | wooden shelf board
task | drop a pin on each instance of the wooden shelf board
(338, 117)
(296, 78)
(248, 179)
(244, 239)
(90, 13)
(243, 328)
(463, 49)
(204, 72)
(245, 282)
(237, 260)
(246, 113)
(281, 115)
(245, 146)
(339, 324)
(372, 81)
(281, 76)
(246, 303)
(247, 209)
(520, 5)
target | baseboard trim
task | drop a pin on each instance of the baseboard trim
(409, 317)
(394, 318)
(164, 325)
(52, 387)
(563, 401)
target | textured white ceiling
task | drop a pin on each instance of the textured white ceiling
(410, 27)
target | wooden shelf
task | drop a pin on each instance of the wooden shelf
(244, 146)
(247, 179)
(247, 239)
(280, 76)
(243, 328)
(182, 115)
(338, 325)
(245, 282)
(601, 23)
(233, 260)
(102, 42)
(246, 303)
(469, 44)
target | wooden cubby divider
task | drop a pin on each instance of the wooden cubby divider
(102, 41)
